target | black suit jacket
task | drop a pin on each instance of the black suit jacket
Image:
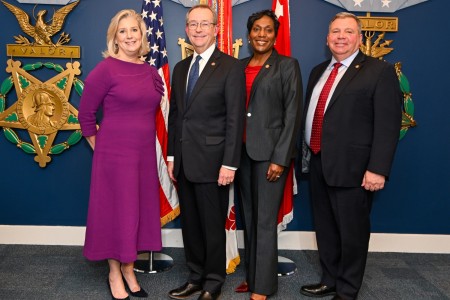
(274, 111)
(362, 122)
(208, 132)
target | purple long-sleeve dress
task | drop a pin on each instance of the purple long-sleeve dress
(123, 215)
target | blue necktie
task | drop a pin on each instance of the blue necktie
(193, 76)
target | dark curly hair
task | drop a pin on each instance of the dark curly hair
(258, 15)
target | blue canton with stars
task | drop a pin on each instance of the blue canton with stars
(152, 14)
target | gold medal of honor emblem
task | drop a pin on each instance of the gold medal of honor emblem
(42, 108)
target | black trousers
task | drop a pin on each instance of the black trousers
(259, 202)
(204, 208)
(342, 223)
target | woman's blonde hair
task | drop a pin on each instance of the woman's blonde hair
(112, 48)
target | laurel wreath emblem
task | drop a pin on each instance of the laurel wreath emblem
(408, 105)
(12, 136)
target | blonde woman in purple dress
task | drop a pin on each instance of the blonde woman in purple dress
(123, 214)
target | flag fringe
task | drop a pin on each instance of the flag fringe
(287, 218)
(233, 264)
(170, 216)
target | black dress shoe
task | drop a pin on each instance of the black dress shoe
(317, 290)
(114, 298)
(185, 291)
(140, 294)
(205, 295)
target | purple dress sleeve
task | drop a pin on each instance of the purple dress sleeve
(157, 81)
(96, 87)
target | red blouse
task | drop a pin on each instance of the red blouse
(250, 75)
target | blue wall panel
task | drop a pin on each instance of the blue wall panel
(415, 199)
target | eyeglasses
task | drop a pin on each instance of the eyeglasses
(203, 25)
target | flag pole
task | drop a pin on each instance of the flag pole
(152, 14)
(153, 262)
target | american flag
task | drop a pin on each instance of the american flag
(152, 14)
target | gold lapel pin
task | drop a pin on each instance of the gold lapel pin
(267, 66)
(213, 64)
(357, 66)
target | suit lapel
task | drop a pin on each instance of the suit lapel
(356, 65)
(263, 72)
(183, 80)
(312, 83)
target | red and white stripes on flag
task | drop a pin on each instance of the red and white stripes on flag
(152, 14)
(283, 46)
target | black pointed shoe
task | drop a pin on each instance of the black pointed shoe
(185, 291)
(114, 298)
(317, 290)
(140, 294)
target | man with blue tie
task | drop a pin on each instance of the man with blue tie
(351, 129)
(206, 120)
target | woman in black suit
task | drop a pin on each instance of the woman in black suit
(274, 108)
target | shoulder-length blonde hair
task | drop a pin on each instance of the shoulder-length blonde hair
(112, 49)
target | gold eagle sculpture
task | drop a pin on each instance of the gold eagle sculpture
(376, 49)
(41, 32)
